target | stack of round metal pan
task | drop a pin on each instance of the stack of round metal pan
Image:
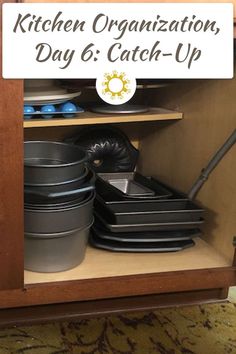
(162, 221)
(58, 212)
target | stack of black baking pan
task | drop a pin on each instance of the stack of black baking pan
(134, 213)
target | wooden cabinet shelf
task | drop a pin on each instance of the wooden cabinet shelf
(87, 118)
(103, 264)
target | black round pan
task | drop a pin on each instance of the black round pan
(52, 220)
(61, 192)
(49, 162)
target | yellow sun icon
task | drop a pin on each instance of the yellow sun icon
(116, 85)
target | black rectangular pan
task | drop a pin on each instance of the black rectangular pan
(159, 226)
(110, 196)
(140, 247)
(159, 191)
(155, 236)
(153, 212)
(127, 184)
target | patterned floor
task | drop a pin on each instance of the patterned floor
(232, 294)
(205, 329)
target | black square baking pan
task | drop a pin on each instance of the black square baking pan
(148, 236)
(151, 212)
(159, 247)
(131, 185)
(111, 196)
(158, 226)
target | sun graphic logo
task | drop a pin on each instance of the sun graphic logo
(115, 88)
(116, 85)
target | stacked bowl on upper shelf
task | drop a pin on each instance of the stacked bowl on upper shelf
(59, 195)
(134, 213)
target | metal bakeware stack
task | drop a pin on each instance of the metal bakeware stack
(58, 211)
(134, 213)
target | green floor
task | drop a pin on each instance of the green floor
(201, 329)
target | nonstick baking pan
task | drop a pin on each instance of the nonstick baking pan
(110, 196)
(160, 226)
(155, 236)
(49, 162)
(132, 185)
(120, 109)
(149, 212)
(108, 148)
(131, 188)
(55, 252)
(53, 220)
(139, 247)
(62, 192)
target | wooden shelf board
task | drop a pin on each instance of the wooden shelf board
(87, 118)
(100, 264)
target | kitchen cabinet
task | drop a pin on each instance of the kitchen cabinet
(175, 142)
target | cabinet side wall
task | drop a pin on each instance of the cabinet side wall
(177, 152)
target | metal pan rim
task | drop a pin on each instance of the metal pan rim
(84, 175)
(58, 234)
(56, 165)
(118, 226)
(63, 208)
(159, 212)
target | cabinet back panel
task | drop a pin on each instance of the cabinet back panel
(177, 152)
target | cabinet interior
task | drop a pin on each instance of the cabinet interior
(175, 152)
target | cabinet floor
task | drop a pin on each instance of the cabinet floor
(102, 264)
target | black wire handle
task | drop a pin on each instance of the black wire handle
(211, 165)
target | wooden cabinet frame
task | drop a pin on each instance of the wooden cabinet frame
(11, 179)
(121, 292)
